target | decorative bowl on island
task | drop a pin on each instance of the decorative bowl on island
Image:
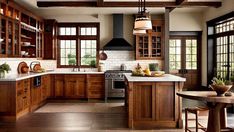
(220, 89)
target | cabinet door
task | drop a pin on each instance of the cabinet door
(74, 86)
(96, 88)
(144, 101)
(165, 100)
(58, 86)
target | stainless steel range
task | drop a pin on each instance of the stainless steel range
(114, 83)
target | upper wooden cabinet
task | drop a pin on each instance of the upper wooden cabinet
(150, 46)
(50, 40)
(21, 32)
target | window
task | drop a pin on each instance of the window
(191, 54)
(175, 54)
(78, 44)
(221, 38)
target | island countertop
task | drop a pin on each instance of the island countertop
(165, 78)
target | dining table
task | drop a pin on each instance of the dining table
(217, 118)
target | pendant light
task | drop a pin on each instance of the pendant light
(139, 32)
(143, 21)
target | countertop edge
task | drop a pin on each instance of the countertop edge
(19, 77)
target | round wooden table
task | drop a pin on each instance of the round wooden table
(217, 119)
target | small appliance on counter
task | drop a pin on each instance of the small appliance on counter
(123, 67)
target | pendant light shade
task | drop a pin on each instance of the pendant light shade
(143, 21)
(139, 32)
(142, 24)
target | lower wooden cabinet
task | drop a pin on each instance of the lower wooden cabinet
(22, 95)
(39, 94)
(58, 86)
(155, 104)
(75, 86)
(79, 86)
(95, 86)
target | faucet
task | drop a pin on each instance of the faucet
(74, 69)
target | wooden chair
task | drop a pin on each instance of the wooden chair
(196, 111)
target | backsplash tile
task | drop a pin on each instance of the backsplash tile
(113, 62)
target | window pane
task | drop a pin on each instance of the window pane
(88, 52)
(62, 31)
(68, 52)
(82, 31)
(175, 54)
(88, 31)
(94, 31)
(73, 31)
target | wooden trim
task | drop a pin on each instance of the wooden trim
(67, 3)
(100, 3)
(78, 37)
(166, 40)
(179, 2)
(220, 18)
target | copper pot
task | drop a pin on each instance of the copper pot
(102, 55)
(24, 69)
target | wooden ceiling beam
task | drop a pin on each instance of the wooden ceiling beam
(179, 2)
(66, 4)
(101, 3)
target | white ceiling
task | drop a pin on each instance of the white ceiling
(32, 5)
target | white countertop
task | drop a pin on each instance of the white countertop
(165, 78)
(18, 77)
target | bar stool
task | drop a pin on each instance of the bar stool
(196, 111)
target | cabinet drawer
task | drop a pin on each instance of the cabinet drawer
(96, 93)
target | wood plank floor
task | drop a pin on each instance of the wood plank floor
(79, 121)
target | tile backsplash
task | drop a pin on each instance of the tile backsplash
(116, 58)
(113, 62)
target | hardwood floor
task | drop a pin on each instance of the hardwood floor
(90, 121)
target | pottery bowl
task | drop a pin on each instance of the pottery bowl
(221, 89)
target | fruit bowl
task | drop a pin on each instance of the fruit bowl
(220, 89)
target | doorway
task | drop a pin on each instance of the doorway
(184, 59)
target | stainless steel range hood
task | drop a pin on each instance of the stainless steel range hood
(118, 42)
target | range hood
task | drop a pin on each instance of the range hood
(118, 42)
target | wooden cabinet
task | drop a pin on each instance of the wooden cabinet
(20, 31)
(150, 46)
(154, 104)
(95, 86)
(22, 95)
(9, 31)
(50, 40)
(75, 86)
(58, 86)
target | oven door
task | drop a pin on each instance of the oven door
(116, 88)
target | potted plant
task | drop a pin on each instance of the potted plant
(220, 86)
(3, 69)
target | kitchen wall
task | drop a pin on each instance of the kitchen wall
(209, 14)
(185, 21)
(178, 22)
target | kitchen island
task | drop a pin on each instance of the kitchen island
(152, 101)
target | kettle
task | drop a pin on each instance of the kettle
(123, 67)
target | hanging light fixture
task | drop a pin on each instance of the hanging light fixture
(139, 32)
(143, 21)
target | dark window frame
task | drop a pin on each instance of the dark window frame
(78, 37)
(211, 44)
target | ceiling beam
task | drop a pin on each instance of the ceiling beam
(179, 2)
(101, 3)
(66, 4)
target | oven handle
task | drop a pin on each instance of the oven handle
(117, 79)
